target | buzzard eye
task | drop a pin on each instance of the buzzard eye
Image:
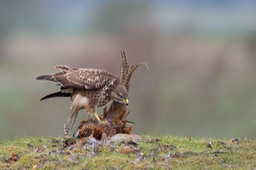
(120, 96)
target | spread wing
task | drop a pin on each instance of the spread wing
(89, 79)
(82, 78)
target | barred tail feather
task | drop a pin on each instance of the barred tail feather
(130, 72)
(124, 67)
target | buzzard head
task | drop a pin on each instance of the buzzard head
(119, 93)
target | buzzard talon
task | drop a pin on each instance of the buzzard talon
(105, 122)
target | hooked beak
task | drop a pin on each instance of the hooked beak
(126, 102)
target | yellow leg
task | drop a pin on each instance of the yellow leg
(97, 117)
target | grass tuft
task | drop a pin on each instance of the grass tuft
(155, 152)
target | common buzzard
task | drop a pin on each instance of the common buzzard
(88, 89)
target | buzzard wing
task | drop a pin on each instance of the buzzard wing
(90, 79)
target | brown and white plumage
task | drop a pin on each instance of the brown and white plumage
(88, 89)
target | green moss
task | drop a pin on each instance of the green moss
(160, 152)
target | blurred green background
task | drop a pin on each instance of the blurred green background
(201, 53)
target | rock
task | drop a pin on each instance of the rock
(126, 138)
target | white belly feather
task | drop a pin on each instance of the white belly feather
(80, 102)
(83, 101)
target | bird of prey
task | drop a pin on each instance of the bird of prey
(88, 89)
